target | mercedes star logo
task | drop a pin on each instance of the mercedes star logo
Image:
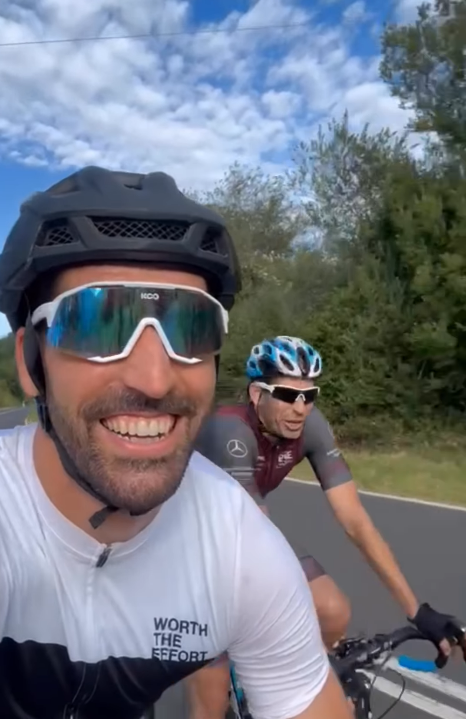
(237, 448)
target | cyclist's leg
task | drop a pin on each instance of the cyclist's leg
(207, 690)
(332, 606)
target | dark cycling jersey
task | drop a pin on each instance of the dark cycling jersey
(89, 631)
(233, 439)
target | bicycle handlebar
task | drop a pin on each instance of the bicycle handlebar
(363, 653)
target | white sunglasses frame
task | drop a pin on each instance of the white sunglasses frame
(48, 310)
(270, 388)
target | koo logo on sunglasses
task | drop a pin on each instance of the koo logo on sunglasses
(149, 296)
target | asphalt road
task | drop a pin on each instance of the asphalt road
(429, 543)
(12, 417)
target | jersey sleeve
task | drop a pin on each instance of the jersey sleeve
(322, 452)
(230, 444)
(277, 648)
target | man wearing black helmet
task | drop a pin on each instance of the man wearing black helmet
(127, 562)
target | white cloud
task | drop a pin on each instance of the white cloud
(190, 104)
(406, 10)
(371, 102)
(281, 104)
(355, 13)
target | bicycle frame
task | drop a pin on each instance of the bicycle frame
(237, 697)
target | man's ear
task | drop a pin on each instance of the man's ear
(27, 385)
(254, 394)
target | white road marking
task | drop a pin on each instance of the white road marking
(393, 497)
(432, 681)
(419, 701)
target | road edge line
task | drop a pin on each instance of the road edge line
(434, 682)
(414, 699)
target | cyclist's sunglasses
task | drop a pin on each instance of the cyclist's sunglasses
(290, 395)
(102, 322)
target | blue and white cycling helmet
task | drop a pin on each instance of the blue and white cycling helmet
(286, 356)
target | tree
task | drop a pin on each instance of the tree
(10, 391)
(266, 224)
(419, 239)
(341, 176)
(259, 212)
(392, 328)
(425, 66)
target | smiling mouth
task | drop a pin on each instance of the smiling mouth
(137, 429)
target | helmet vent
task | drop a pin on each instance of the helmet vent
(55, 233)
(209, 244)
(212, 242)
(140, 229)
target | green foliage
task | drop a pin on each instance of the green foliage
(424, 64)
(341, 174)
(10, 391)
(260, 215)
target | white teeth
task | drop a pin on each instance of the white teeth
(142, 427)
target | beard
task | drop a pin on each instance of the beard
(134, 485)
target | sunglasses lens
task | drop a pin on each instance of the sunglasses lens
(290, 394)
(100, 321)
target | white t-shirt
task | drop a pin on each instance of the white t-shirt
(103, 631)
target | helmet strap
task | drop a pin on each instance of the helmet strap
(33, 360)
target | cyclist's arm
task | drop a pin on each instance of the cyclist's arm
(230, 444)
(335, 478)
(276, 645)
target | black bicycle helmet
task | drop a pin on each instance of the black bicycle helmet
(98, 215)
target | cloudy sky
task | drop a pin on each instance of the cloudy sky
(185, 86)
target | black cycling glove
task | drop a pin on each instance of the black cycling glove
(436, 627)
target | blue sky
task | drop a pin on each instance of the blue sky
(189, 104)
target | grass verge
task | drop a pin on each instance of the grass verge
(438, 475)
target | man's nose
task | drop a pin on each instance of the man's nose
(148, 368)
(300, 407)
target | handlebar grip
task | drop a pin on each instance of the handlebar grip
(455, 636)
